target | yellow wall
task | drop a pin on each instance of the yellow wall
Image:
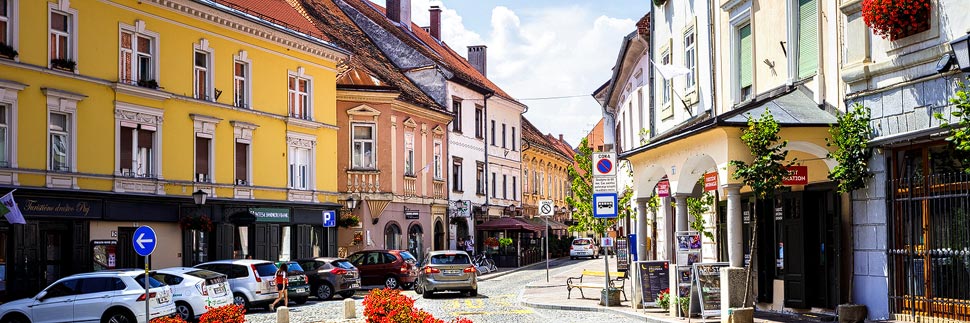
(98, 69)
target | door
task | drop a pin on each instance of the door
(794, 252)
(57, 305)
(56, 253)
(821, 209)
(93, 296)
(127, 257)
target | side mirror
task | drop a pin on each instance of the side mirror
(40, 296)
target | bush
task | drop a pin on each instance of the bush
(389, 306)
(224, 314)
(175, 319)
(663, 299)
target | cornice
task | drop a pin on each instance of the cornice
(427, 113)
(367, 96)
(139, 91)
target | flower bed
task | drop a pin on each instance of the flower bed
(389, 306)
(896, 19)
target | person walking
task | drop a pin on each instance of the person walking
(469, 246)
(282, 281)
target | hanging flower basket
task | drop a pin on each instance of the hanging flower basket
(896, 19)
(491, 242)
(348, 221)
(200, 223)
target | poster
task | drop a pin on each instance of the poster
(708, 279)
(654, 278)
(622, 255)
(684, 281)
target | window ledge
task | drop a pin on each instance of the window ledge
(304, 123)
(140, 91)
(145, 185)
(458, 191)
(363, 171)
(439, 180)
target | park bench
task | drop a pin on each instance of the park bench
(617, 280)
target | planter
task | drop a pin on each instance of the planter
(852, 313)
(505, 261)
(896, 19)
(741, 315)
(613, 298)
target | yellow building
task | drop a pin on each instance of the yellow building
(545, 172)
(114, 112)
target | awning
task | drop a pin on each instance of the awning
(795, 107)
(553, 224)
(508, 224)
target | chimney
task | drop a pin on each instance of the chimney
(560, 138)
(436, 22)
(400, 12)
(476, 56)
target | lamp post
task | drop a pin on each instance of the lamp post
(961, 49)
(199, 198)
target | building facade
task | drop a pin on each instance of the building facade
(106, 151)
(545, 174)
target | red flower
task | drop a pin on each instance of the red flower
(895, 19)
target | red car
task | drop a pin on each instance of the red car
(391, 268)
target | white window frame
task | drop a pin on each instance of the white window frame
(63, 102)
(457, 168)
(203, 48)
(205, 127)
(12, 19)
(740, 15)
(136, 31)
(5, 127)
(409, 153)
(297, 76)
(372, 141)
(247, 88)
(437, 149)
(666, 86)
(9, 93)
(307, 142)
(299, 178)
(690, 58)
(135, 116)
(63, 7)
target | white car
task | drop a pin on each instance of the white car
(195, 290)
(583, 247)
(112, 296)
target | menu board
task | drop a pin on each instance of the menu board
(654, 278)
(622, 255)
(708, 279)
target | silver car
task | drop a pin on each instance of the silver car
(196, 290)
(447, 270)
(251, 280)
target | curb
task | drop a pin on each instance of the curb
(514, 270)
(636, 316)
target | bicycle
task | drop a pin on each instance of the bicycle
(484, 263)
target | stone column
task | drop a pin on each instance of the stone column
(734, 235)
(681, 202)
(642, 229)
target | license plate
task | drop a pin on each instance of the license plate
(301, 290)
(452, 272)
(220, 290)
(354, 285)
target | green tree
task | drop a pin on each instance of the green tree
(582, 188)
(851, 135)
(764, 174)
(960, 132)
(696, 208)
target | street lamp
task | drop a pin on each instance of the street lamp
(961, 49)
(350, 203)
(199, 197)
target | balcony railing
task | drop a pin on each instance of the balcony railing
(410, 185)
(439, 190)
(364, 181)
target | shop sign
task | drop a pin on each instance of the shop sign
(74, 208)
(710, 182)
(267, 214)
(797, 175)
(461, 209)
(663, 189)
(411, 214)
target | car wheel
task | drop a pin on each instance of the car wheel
(391, 282)
(301, 300)
(118, 317)
(418, 288)
(15, 318)
(348, 293)
(471, 293)
(324, 292)
(240, 299)
(572, 258)
(184, 310)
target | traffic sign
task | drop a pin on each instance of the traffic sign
(144, 240)
(604, 205)
(546, 208)
(329, 219)
(604, 184)
(604, 164)
(606, 242)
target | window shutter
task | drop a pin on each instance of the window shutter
(807, 38)
(146, 139)
(744, 56)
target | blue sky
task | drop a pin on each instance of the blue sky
(542, 48)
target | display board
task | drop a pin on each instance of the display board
(622, 255)
(707, 277)
(654, 278)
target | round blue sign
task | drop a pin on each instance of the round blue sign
(604, 166)
(144, 240)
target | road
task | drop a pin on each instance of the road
(497, 301)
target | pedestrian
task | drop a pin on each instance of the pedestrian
(281, 282)
(461, 244)
(249, 256)
(469, 245)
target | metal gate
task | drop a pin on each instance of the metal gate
(929, 247)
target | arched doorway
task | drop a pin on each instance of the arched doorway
(416, 240)
(439, 236)
(392, 237)
(461, 228)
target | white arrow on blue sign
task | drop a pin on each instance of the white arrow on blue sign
(144, 240)
(329, 219)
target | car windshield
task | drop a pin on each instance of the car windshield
(450, 259)
(408, 257)
(582, 242)
(342, 264)
(204, 274)
(151, 281)
(266, 269)
(293, 266)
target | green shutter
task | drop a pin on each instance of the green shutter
(744, 56)
(807, 38)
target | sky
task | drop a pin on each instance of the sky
(542, 49)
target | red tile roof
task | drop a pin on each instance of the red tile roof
(533, 136)
(275, 11)
(422, 41)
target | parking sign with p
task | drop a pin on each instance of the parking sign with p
(329, 218)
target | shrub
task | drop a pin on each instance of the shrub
(389, 306)
(663, 299)
(224, 314)
(175, 319)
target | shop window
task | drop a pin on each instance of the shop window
(363, 141)
(198, 240)
(392, 237)
(241, 243)
(137, 150)
(3, 262)
(139, 56)
(103, 252)
(285, 244)
(416, 241)
(299, 97)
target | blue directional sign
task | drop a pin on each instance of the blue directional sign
(604, 205)
(144, 240)
(329, 219)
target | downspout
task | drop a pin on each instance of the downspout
(485, 131)
(710, 49)
(653, 130)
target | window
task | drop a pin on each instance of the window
(392, 238)
(203, 158)
(493, 132)
(137, 57)
(409, 153)
(505, 186)
(60, 142)
(513, 140)
(240, 83)
(503, 136)
(456, 182)
(690, 58)
(665, 91)
(494, 186)
(6, 30)
(202, 75)
(299, 97)
(242, 163)
(363, 143)
(480, 178)
(61, 35)
(456, 109)
(137, 150)
(807, 38)
(536, 183)
(299, 168)
(515, 189)
(479, 122)
(525, 181)
(4, 135)
(745, 63)
(437, 160)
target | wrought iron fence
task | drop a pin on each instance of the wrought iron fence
(929, 247)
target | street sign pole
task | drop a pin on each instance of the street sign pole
(144, 241)
(606, 263)
(147, 295)
(547, 249)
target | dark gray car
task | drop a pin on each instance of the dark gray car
(329, 276)
(447, 270)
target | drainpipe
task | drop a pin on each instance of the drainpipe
(485, 132)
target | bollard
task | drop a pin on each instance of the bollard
(283, 314)
(350, 309)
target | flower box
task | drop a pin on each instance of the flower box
(63, 64)
(896, 19)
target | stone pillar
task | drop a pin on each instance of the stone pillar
(642, 229)
(681, 202)
(734, 234)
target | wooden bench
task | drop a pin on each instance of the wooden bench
(617, 280)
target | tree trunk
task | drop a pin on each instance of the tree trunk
(754, 249)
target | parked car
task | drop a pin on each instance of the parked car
(583, 247)
(251, 281)
(447, 270)
(298, 287)
(329, 276)
(102, 296)
(195, 290)
(392, 268)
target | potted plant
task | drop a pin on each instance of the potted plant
(7, 51)
(348, 221)
(663, 299)
(895, 19)
(63, 64)
(198, 223)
